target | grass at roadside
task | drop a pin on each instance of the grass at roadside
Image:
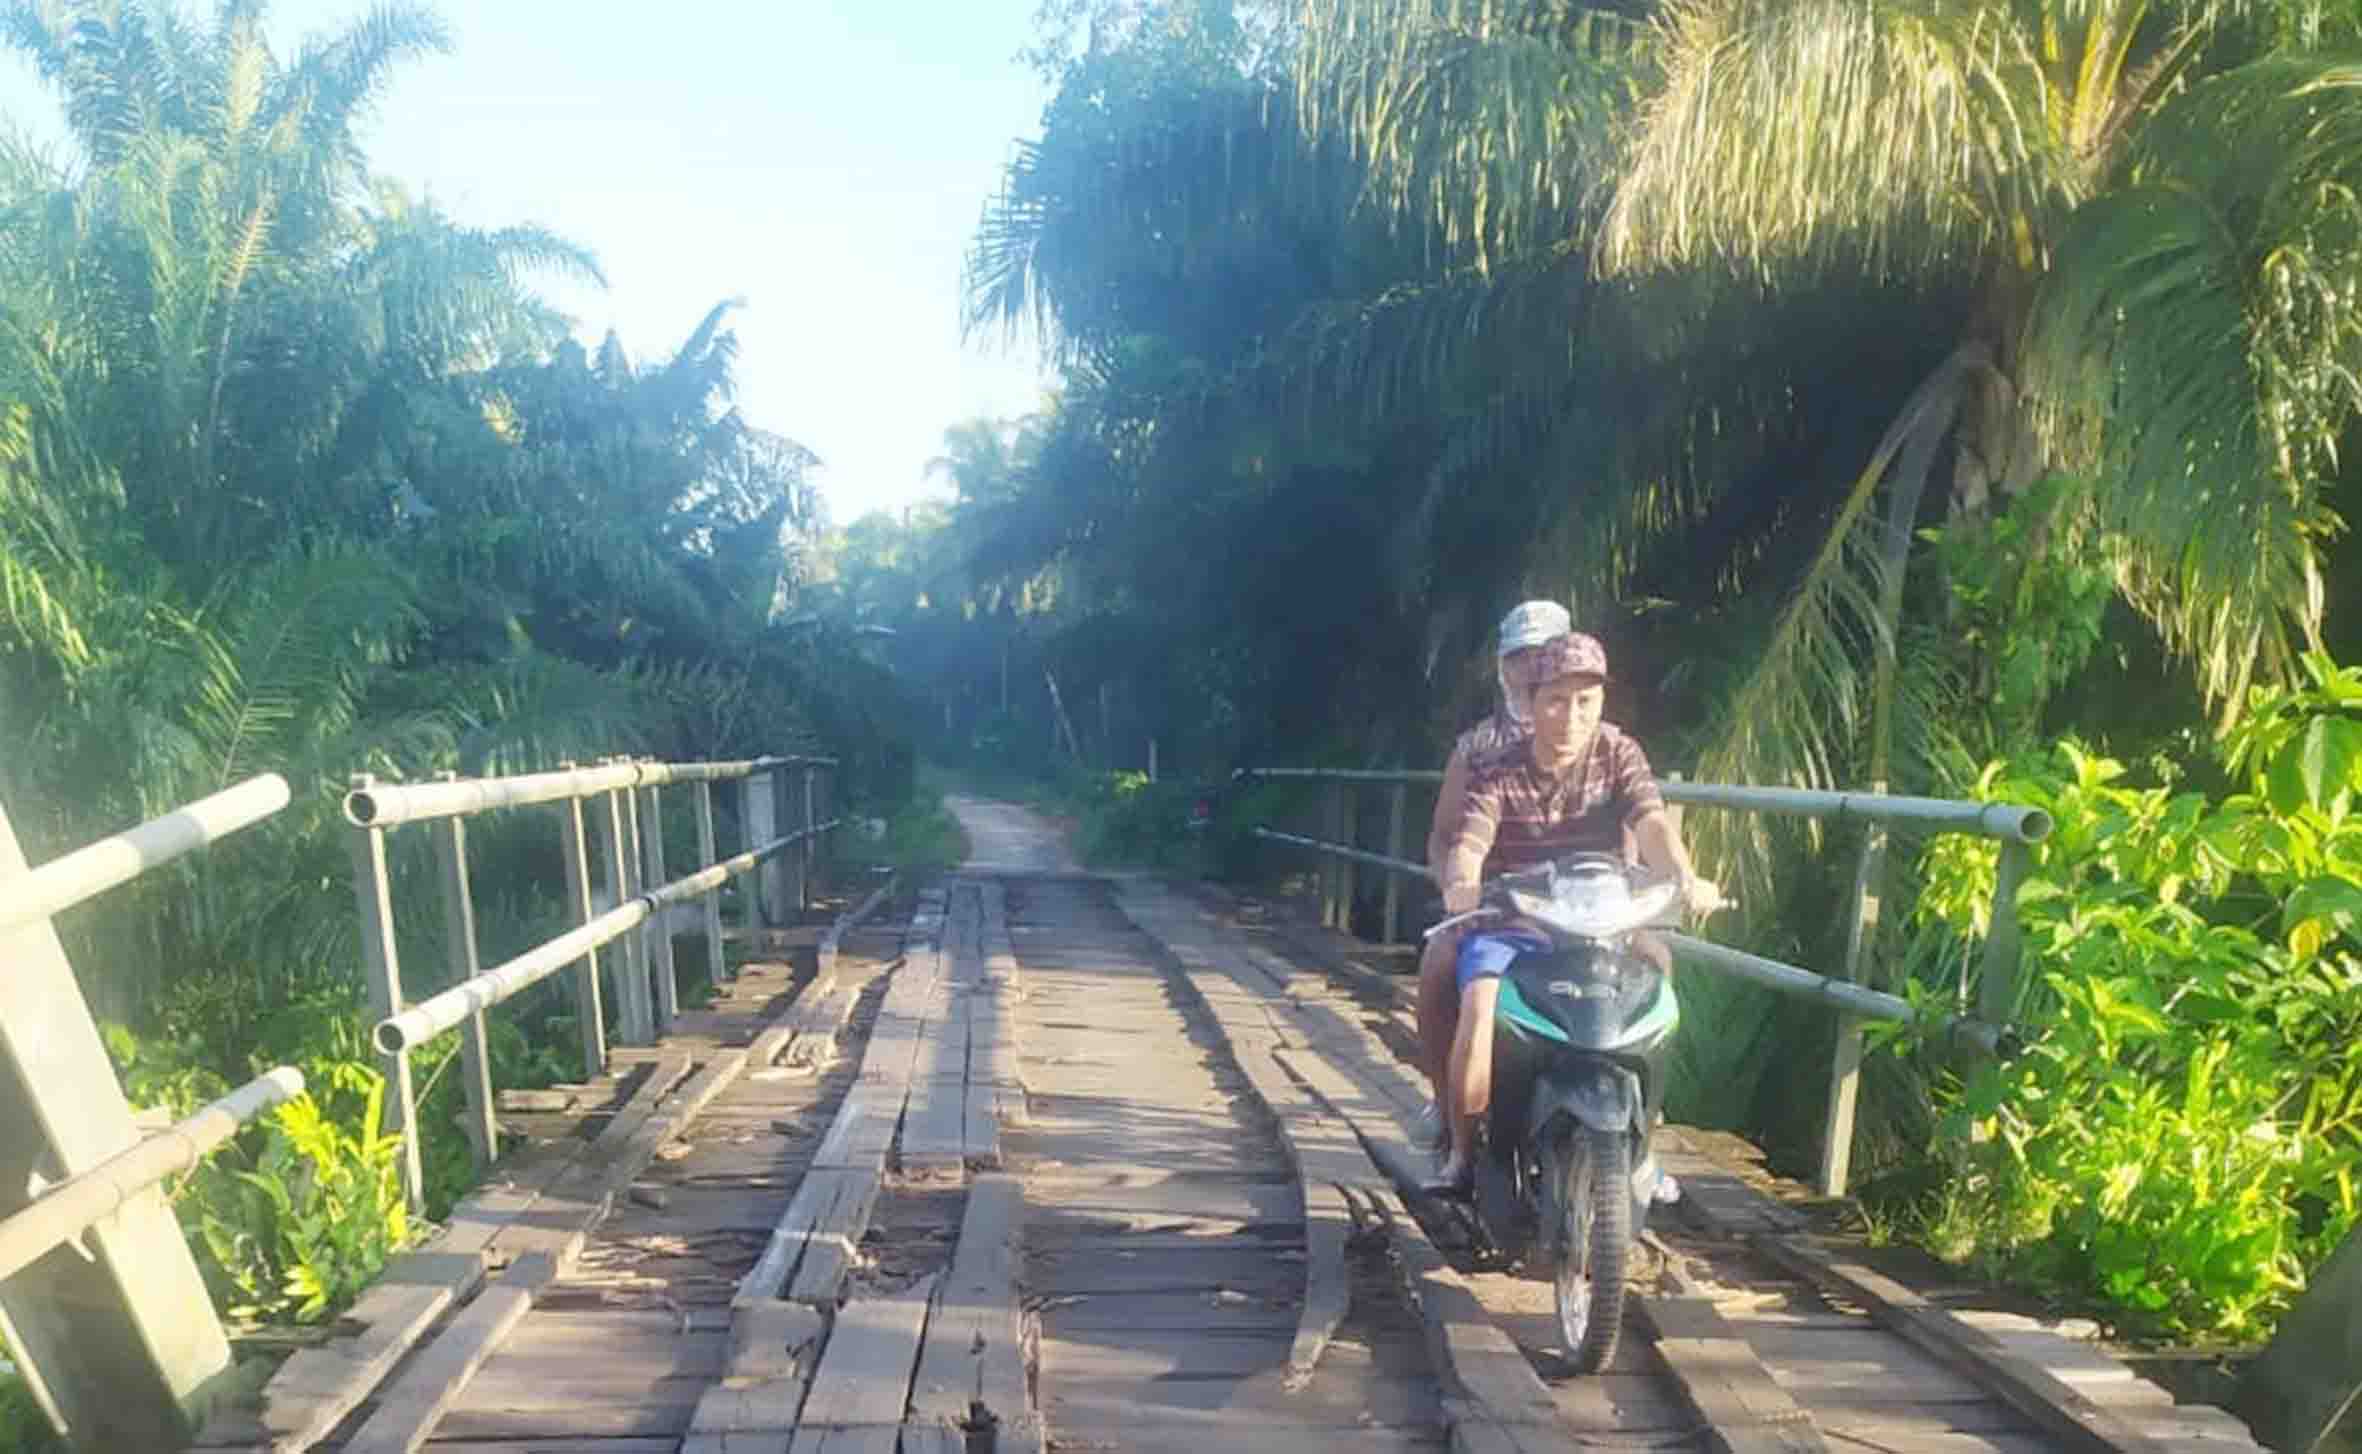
(918, 838)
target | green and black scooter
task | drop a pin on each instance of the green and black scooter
(1564, 1171)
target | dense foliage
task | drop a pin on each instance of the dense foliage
(298, 475)
(2182, 1142)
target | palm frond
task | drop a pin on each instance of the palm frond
(2199, 348)
(1897, 135)
(288, 649)
(1795, 717)
(1485, 123)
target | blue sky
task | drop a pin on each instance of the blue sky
(825, 160)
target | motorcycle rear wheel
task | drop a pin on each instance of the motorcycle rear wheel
(1595, 1244)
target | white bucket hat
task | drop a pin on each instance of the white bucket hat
(1529, 623)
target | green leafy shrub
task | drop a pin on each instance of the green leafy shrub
(308, 1224)
(1126, 819)
(24, 1429)
(2181, 1143)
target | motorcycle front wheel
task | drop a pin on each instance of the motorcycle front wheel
(1595, 1244)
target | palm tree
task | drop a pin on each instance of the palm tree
(2145, 208)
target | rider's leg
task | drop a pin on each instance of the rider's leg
(1651, 946)
(1471, 1072)
(1437, 999)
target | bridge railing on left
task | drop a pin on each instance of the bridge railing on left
(628, 800)
(99, 1295)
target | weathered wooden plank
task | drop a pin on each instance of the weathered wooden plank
(975, 1346)
(315, 1389)
(863, 1131)
(1744, 1409)
(832, 943)
(816, 1240)
(865, 1371)
(407, 1413)
(846, 1441)
(559, 1446)
(2074, 1418)
(934, 1126)
(774, 1349)
(1469, 1351)
(815, 1025)
(834, 1245)
(767, 1046)
(1499, 1405)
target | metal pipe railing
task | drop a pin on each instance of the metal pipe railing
(1990, 820)
(402, 1033)
(64, 1211)
(1358, 855)
(1844, 996)
(386, 805)
(1343, 774)
(1788, 979)
(2007, 821)
(91, 870)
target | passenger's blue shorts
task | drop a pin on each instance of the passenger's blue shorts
(1488, 955)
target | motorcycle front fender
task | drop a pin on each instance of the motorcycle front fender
(1596, 1094)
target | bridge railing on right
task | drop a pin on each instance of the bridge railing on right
(639, 889)
(2017, 827)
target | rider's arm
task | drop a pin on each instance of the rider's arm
(1444, 826)
(1480, 818)
(1652, 828)
(1660, 847)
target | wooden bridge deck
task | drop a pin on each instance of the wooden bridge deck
(1077, 1163)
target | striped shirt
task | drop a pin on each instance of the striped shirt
(1488, 737)
(1515, 815)
(1482, 740)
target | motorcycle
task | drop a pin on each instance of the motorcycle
(1564, 1170)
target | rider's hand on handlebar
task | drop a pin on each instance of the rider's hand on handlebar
(1702, 896)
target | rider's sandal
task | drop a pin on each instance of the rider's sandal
(1456, 1188)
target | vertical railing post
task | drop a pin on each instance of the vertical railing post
(707, 857)
(1348, 870)
(590, 1016)
(811, 843)
(373, 893)
(459, 937)
(768, 889)
(1997, 983)
(1845, 1068)
(636, 1022)
(791, 863)
(659, 937)
(1397, 799)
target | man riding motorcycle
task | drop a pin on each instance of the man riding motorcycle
(1524, 631)
(1577, 784)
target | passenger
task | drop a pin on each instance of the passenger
(1576, 785)
(1524, 631)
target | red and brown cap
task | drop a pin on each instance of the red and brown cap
(1571, 655)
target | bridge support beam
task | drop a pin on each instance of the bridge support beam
(121, 1346)
(1845, 1069)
